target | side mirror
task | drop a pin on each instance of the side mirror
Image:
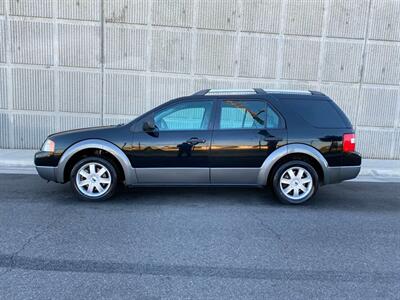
(149, 126)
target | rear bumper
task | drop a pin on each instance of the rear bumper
(48, 173)
(338, 174)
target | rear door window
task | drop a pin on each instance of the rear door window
(242, 114)
(253, 114)
(273, 119)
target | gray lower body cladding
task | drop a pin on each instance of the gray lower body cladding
(48, 173)
(201, 176)
(339, 174)
(206, 176)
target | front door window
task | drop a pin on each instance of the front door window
(194, 115)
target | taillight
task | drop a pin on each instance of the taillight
(349, 142)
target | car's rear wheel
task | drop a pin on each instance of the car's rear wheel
(295, 182)
(94, 179)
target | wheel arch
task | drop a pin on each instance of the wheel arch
(92, 146)
(291, 152)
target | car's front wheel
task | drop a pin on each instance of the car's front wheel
(94, 179)
(295, 182)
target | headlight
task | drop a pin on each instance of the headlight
(48, 146)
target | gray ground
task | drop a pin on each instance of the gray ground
(198, 243)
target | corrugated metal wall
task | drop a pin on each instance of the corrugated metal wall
(75, 63)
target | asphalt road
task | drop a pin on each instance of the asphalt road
(198, 243)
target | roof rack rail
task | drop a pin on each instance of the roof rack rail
(255, 91)
(317, 93)
(295, 92)
(216, 92)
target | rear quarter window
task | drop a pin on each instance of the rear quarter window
(318, 113)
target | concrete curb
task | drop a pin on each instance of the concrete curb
(21, 162)
(377, 170)
(380, 168)
(14, 161)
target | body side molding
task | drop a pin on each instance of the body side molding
(291, 149)
(130, 175)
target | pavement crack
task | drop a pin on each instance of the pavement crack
(269, 228)
(6, 271)
(28, 241)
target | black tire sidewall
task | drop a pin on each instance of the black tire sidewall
(276, 181)
(108, 165)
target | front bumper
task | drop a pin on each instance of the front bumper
(46, 164)
(339, 174)
(48, 173)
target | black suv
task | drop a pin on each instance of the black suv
(291, 140)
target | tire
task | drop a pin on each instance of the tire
(287, 181)
(97, 185)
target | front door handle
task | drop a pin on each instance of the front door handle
(195, 140)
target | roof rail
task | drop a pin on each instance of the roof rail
(201, 92)
(216, 92)
(295, 92)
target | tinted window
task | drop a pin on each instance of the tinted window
(184, 116)
(242, 114)
(318, 113)
(273, 120)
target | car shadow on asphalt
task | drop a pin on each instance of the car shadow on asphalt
(358, 196)
(346, 196)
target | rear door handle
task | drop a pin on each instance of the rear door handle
(196, 140)
(273, 139)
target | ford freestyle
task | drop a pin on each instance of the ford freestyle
(293, 141)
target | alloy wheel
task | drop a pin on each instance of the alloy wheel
(296, 183)
(93, 179)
